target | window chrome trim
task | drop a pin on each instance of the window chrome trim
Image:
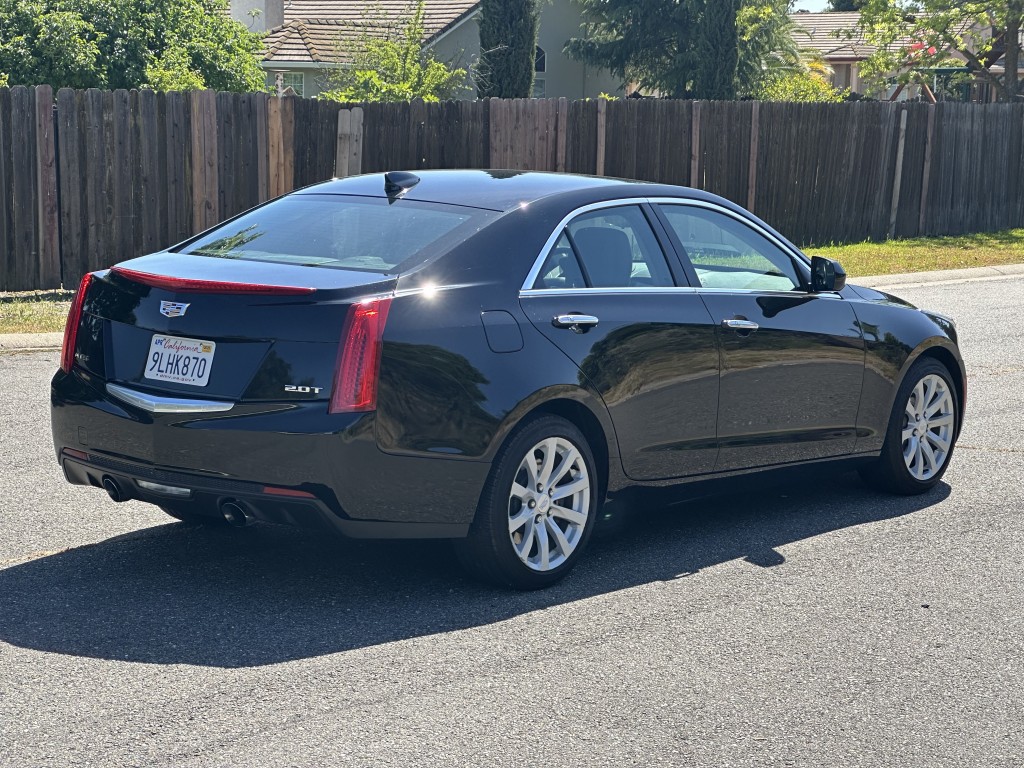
(157, 404)
(538, 264)
(647, 289)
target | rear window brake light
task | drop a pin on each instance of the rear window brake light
(187, 285)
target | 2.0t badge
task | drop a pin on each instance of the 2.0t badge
(173, 308)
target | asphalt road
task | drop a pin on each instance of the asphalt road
(821, 625)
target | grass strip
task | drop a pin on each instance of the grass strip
(924, 254)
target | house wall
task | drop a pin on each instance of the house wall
(271, 13)
(560, 20)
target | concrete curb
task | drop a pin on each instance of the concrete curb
(13, 342)
(18, 342)
(940, 276)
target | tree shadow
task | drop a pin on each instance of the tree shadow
(176, 594)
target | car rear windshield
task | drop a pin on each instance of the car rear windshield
(361, 233)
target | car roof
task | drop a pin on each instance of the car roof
(497, 190)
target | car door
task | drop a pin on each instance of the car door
(792, 360)
(605, 294)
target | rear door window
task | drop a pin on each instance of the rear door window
(607, 248)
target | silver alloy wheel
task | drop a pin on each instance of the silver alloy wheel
(928, 422)
(549, 504)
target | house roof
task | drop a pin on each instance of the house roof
(829, 34)
(835, 35)
(316, 30)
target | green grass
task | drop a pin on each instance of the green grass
(927, 253)
(33, 315)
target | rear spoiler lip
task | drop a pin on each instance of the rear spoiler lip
(191, 285)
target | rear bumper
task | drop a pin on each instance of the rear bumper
(340, 480)
(208, 495)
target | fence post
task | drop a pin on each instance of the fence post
(602, 112)
(563, 134)
(695, 148)
(755, 136)
(343, 150)
(898, 181)
(46, 173)
(926, 176)
(275, 148)
(355, 161)
(205, 184)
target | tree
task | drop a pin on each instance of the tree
(772, 64)
(717, 51)
(845, 5)
(128, 44)
(393, 67)
(508, 45)
(768, 45)
(651, 42)
(909, 35)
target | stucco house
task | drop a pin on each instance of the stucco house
(302, 40)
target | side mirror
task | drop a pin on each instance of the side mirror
(826, 275)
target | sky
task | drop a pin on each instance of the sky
(810, 5)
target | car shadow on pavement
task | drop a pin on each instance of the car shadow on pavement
(178, 594)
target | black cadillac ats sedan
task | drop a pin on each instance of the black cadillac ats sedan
(488, 357)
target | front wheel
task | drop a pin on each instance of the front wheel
(921, 434)
(538, 508)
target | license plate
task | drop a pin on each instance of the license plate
(183, 361)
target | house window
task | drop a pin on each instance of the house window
(539, 89)
(292, 80)
(843, 76)
(540, 61)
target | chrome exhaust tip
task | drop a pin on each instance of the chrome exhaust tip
(113, 489)
(235, 514)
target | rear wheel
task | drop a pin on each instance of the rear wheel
(921, 434)
(538, 508)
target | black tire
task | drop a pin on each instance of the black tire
(195, 518)
(488, 551)
(890, 473)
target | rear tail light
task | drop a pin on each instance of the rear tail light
(67, 351)
(185, 285)
(358, 368)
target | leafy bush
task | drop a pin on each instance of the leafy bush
(800, 86)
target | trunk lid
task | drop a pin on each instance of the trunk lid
(175, 324)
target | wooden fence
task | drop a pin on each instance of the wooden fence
(89, 178)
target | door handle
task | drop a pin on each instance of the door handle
(574, 322)
(741, 325)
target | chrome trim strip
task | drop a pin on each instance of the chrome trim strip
(648, 290)
(605, 291)
(156, 404)
(538, 264)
